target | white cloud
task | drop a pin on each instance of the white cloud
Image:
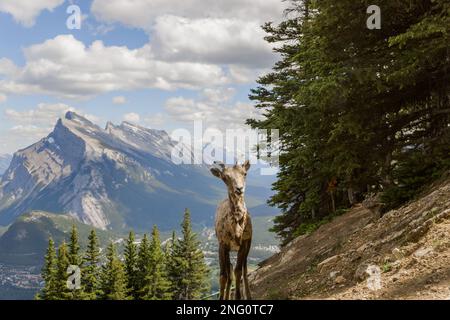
(21, 136)
(217, 110)
(7, 67)
(3, 98)
(142, 13)
(219, 31)
(30, 131)
(212, 40)
(119, 100)
(26, 11)
(44, 115)
(65, 67)
(156, 121)
(29, 126)
(214, 107)
(97, 29)
(132, 117)
(242, 74)
(192, 45)
(218, 96)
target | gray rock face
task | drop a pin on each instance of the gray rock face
(110, 178)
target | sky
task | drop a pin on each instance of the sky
(158, 63)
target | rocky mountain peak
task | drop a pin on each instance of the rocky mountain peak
(109, 126)
(125, 125)
(111, 178)
(73, 116)
(74, 120)
(117, 177)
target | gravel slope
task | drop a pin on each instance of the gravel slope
(407, 252)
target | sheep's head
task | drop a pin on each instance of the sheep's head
(234, 177)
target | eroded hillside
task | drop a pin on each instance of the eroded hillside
(409, 248)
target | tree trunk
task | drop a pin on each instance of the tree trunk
(351, 196)
(386, 176)
(333, 202)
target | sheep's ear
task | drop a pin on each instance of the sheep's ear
(216, 172)
(246, 165)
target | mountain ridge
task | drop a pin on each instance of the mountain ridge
(118, 177)
(26, 240)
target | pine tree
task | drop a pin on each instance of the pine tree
(189, 271)
(74, 248)
(61, 288)
(90, 270)
(143, 265)
(173, 274)
(355, 106)
(131, 266)
(75, 259)
(113, 281)
(49, 273)
(157, 285)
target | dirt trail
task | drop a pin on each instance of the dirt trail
(403, 255)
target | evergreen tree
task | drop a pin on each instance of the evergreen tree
(75, 259)
(355, 107)
(74, 248)
(61, 288)
(157, 286)
(173, 274)
(90, 270)
(189, 271)
(143, 265)
(131, 266)
(49, 273)
(113, 281)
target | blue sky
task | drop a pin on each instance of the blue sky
(158, 63)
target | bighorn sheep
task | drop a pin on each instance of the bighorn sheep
(233, 229)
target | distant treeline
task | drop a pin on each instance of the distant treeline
(149, 271)
(360, 111)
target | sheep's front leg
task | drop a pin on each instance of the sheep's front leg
(224, 261)
(241, 258)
